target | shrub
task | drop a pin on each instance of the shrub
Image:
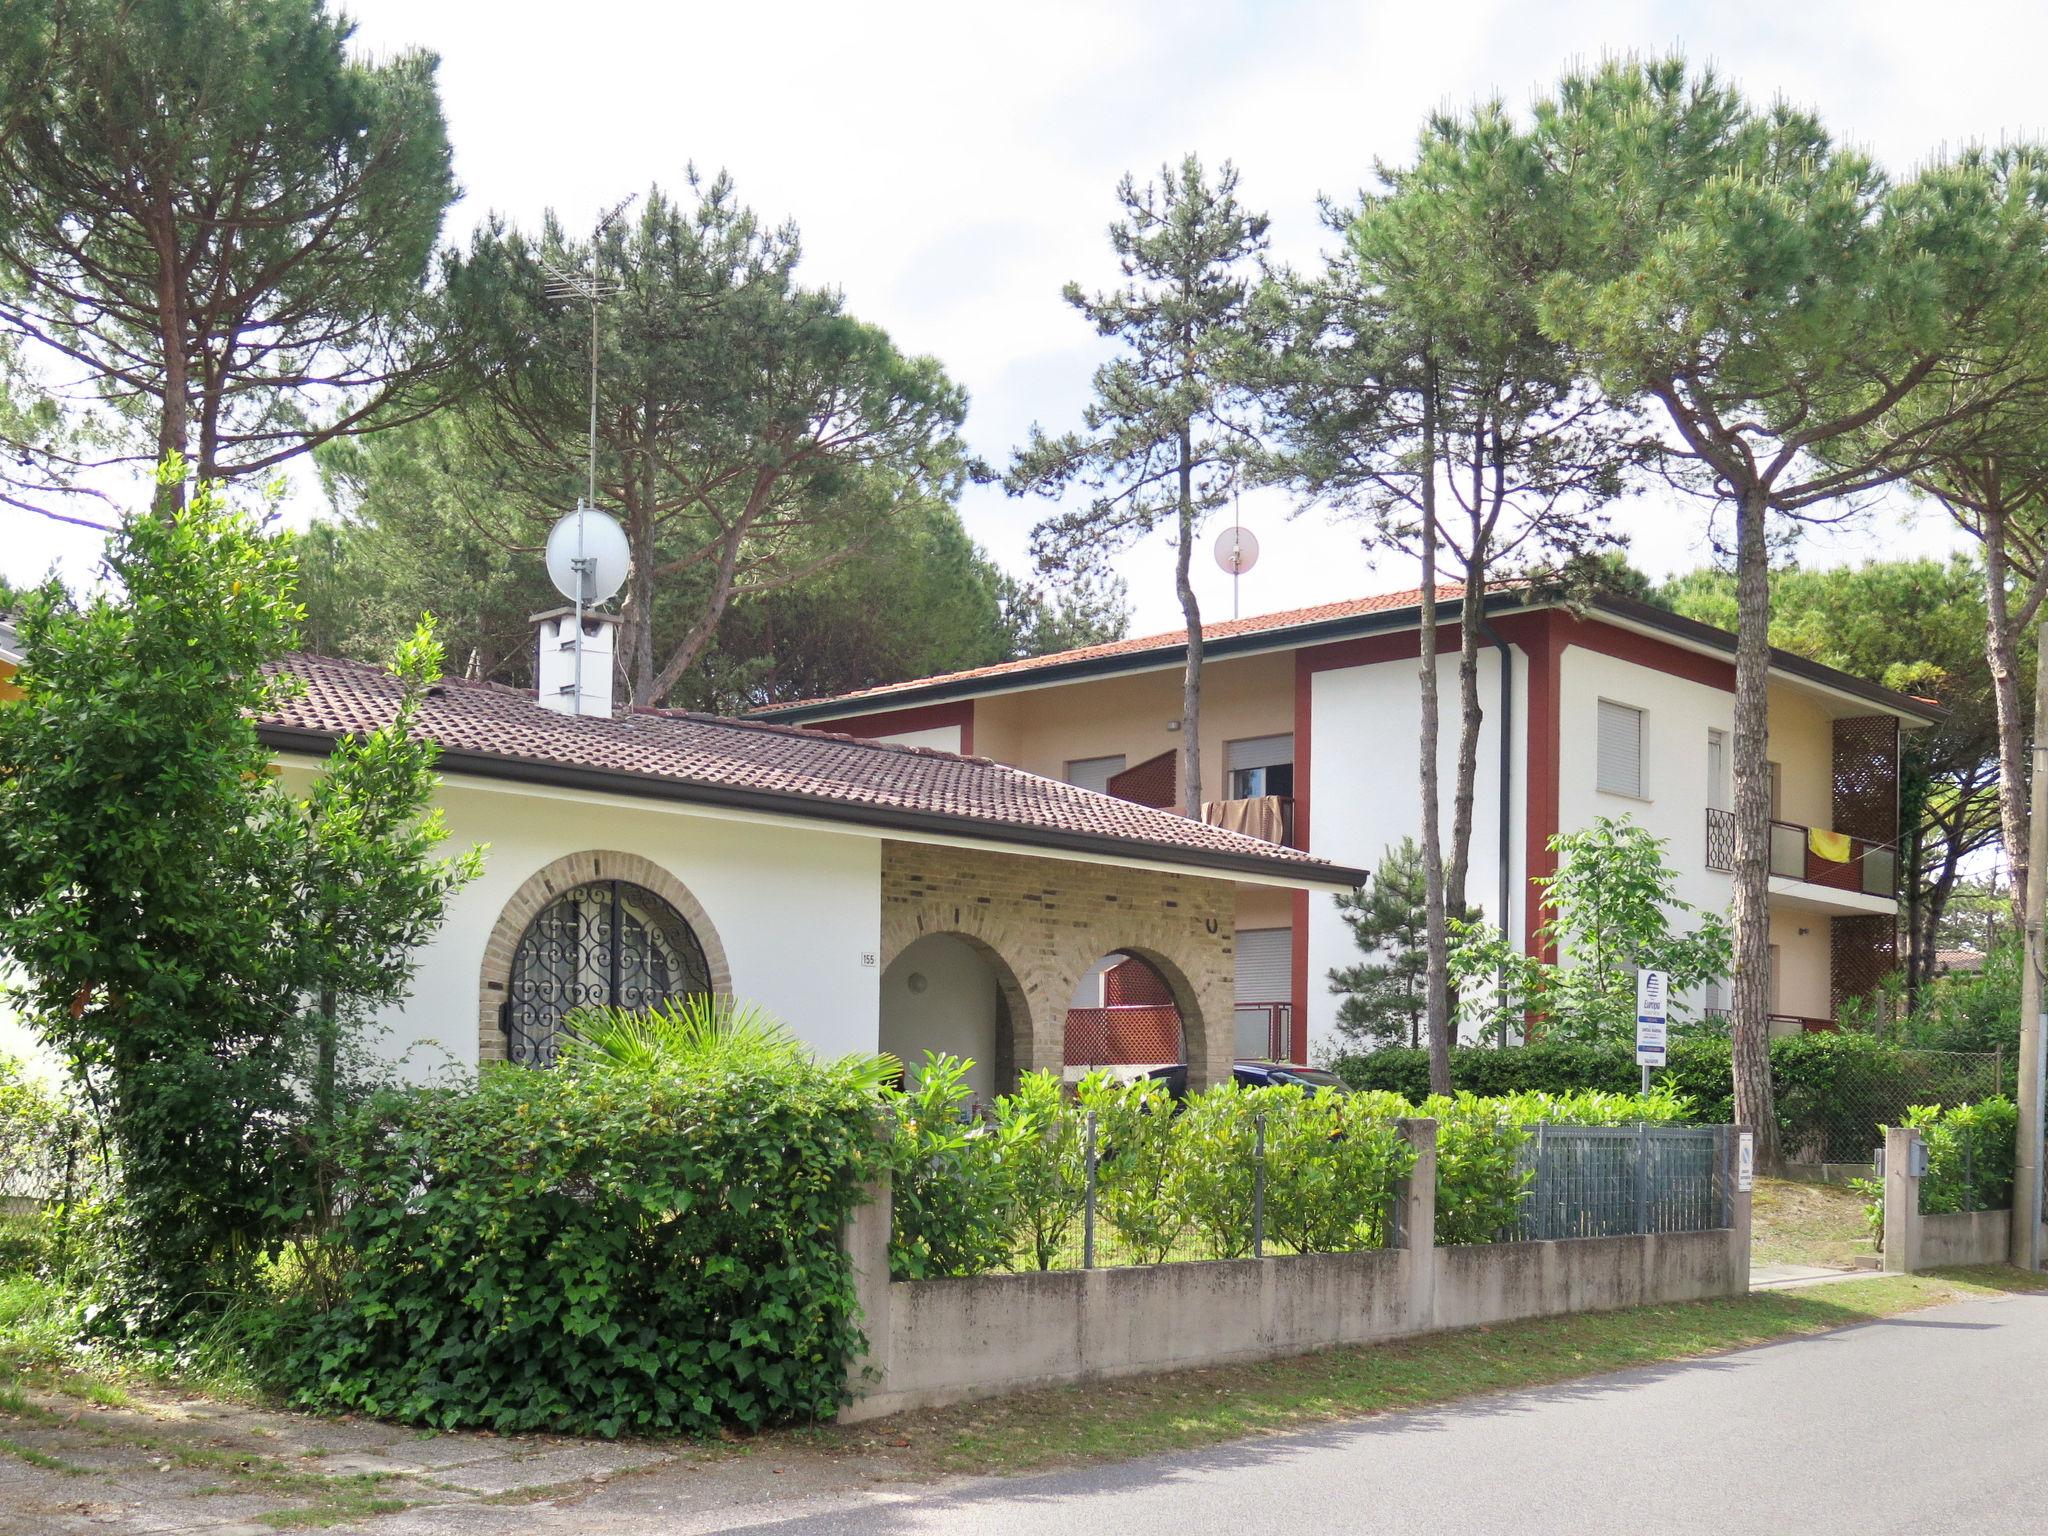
(1971, 1150)
(951, 1205)
(1139, 1164)
(1334, 1167)
(605, 1248)
(1479, 1178)
(1044, 1162)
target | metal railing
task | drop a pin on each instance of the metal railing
(1623, 1180)
(1268, 1029)
(1871, 869)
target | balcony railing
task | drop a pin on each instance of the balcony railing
(1872, 868)
(1779, 1023)
(1265, 1031)
(1270, 817)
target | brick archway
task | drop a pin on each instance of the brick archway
(550, 881)
(1049, 921)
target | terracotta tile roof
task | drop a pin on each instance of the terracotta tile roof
(486, 728)
(1137, 645)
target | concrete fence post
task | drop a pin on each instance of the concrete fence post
(1738, 1214)
(1418, 1224)
(1901, 1201)
(865, 1237)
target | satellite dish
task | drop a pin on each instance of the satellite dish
(1237, 550)
(596, 540)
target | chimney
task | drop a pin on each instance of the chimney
(555, 661)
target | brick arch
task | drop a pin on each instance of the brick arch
(1207, 1008)
(550, 881)
(1033, 1031)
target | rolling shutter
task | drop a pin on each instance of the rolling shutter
(1621, 749)
(1260, 752)
(1094, 772)
(1265, 965)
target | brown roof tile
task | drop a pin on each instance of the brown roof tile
(673, 753)
(1222, 629)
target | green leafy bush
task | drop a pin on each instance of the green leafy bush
(951, 1200)
(1971, 1150)
(1479, 1182)
(1834, 1090)
(612, 1247)
(1334, 1168)
(1140, 1163)
(1045, 1162)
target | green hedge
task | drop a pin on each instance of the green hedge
(1008, 1191)
(1834, 1090)
(598, 1252)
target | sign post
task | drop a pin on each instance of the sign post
(1653, 1012)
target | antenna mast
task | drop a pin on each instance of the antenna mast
(593, 288)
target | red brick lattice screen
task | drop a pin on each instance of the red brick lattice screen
(1862, 952)
(1154, 782)
(1141, 1035)
(1866, 768)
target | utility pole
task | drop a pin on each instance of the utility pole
(2033, 1063)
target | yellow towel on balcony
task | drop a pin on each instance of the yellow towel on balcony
(1832, 846)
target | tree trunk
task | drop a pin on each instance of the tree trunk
(1436, 938)
(174, 424)
(2001, 652)
(699, 634)
(1750, 1018)
(1191, 612)
(637, 613)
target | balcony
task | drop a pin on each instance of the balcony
(1269, 817)
(1778, 1023)
(1806, 877)
(1265, 1032)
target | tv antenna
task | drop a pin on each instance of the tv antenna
(580, 571)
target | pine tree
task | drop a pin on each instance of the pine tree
(1384, 993)
(1171, 417)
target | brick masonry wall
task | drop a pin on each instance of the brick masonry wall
(1047, 922)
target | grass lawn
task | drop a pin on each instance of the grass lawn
(1794, 1222)
(1147, 1415)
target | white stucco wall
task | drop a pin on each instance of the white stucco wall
(1677, 715)
(1365, 794)
(955, 1010)
(797, 909)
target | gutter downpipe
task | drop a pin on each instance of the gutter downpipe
(1507, 763)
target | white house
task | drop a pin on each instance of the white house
(871, 895)
(1310, 722)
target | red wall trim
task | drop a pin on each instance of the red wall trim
(1304, 677)
(1540, 638)
(919, 717)
(1643, 650)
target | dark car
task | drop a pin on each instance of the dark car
(1257, 1074)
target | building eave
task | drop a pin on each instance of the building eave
(1625, 612)
(1289, 873)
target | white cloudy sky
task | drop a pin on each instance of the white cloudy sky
(951, 164)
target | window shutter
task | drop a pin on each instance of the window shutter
(1260, 752)
(1265, 965)
(1094, 772)
(1621, 749)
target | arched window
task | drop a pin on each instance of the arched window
(605, 944)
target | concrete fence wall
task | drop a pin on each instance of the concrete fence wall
(941, 1341)
(1913, 1241)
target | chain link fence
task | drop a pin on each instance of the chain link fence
(1836, 1122)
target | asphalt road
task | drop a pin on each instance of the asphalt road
(1924, 1423)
